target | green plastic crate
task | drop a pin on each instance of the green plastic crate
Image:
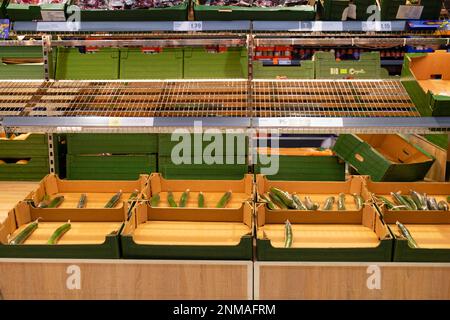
(24, 12)
(367, 67)
(306, 168)
(136, 64)
(332, 10)
(227, 13)
(95, 143)
(98, 65)
(34, 146)
(440, 140)
(200, 64)
(389, 9)
(123, 167)
(36, 169)
(21, 71)
(166, 145)
(175, 13)
(304, 71)
(362, 152)
(198, 170)
(427, 103)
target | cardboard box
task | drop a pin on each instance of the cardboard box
(426, 77)
(385, 157)
(350, 235)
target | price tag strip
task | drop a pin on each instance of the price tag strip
(187, 26)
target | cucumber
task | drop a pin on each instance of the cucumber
(45, 202)
(277, 201)
(184, 198)
(285, 197)
(154, 201)
(359, 201)
(410, 201)
(201, 200)
(432, 204)
(405, 232)
(419, 200)
(224, 200)
(59, 233)
(443, 206)
(299, 202)
(25, 233)
(400, 200)
(171, 200)
(310, 204)
(268, 202)
(287, 234)
(134, 195)
(389, 205)
(341, 202)
(328, 205)
(82, 202)
(448, 199)
(114, 200)
(56, 202)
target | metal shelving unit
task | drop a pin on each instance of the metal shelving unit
(290, 105)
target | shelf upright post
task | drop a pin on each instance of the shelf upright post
(47, 56)
(250, 47)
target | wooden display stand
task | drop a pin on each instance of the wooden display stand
(307, 280)
(51, 279)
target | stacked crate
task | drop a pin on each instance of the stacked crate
(175, 164)
(55, 11)
(110, 156)
(32, 152)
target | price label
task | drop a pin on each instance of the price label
(409, 12)
(51, 26)
(114, 122)
(187, 26)
(376, 26)
(53, 15)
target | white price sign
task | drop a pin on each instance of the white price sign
(51, 26)
(376, 26)
(187, 26)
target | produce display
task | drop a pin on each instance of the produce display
(126, 4)
(277, 199)
(414, 201)
(222, 203)
(37, 2)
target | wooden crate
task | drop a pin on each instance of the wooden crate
(12, 193)
(356, 281)
(54, 279)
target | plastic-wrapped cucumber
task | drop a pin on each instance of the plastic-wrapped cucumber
(277, 201)
(285, 197)
(224, 200)
(412, 204)
(82, 202)
(328, 205)
(184, 198)
(431, 203)
(171, 200)
(419, 200)
(56, 202)
(310, 204)
(405, 232)
(25, 233)
(154, 201)
(287, 234)
(268, 202)
(359, 201)
(389, 205)
(45, 202)
(442, 205)
(201, 200)
(114, 200)
(341, 202)
(400, 200)
(299, 202)
(59, 233)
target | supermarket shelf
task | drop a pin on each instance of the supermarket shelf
(126, 279)
(330, 26)
(291, 105)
